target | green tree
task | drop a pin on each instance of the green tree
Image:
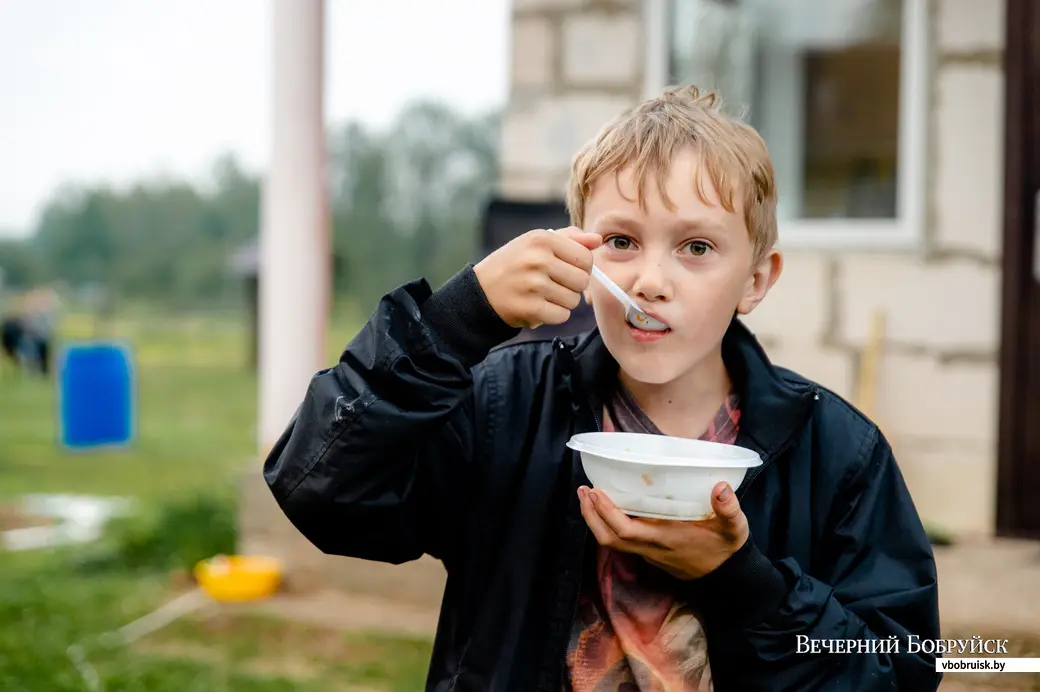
(405, 202)
(20, 265)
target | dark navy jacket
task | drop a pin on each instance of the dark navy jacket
(425, 439)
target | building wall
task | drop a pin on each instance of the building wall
(577, 63)
(938, 380)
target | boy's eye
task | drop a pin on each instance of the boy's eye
(619, 242)
(698, 248)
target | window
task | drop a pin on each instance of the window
(837, 88)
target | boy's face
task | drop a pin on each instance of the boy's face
(690, 267)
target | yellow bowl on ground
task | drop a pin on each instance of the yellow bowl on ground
(239, 577)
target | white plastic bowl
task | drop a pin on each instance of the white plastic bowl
(658, 476)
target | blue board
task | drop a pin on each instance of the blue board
(95, 396)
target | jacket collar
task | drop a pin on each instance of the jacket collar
(772, 407)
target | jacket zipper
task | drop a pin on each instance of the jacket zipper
(581, 554)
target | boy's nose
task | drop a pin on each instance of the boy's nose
(650, 283)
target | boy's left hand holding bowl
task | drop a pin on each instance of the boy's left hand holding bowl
(684, 549)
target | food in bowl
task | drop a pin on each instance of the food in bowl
(658, 476)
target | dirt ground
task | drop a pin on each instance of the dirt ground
(340, 610)
(992, 585)
(991, 588)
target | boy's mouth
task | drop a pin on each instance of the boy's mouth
(646, 320)
(647, 336)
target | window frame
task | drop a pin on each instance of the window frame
(905, 232)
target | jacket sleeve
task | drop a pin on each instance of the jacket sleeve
(373, 464)
(774, 627)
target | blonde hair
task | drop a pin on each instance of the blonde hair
(652, 133)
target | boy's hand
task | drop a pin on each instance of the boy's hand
(538, 278)
(684, 549)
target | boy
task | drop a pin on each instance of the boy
(424, 440)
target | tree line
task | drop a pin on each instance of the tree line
(406, 201)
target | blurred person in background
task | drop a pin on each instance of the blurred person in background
(27, 335)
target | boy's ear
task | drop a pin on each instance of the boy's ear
(765, 274)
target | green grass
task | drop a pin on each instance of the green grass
(196, 422)
(45, 607)
(196, 435)
(195, 427)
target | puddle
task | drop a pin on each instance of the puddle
(74, 519)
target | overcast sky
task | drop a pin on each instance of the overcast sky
(114, 90)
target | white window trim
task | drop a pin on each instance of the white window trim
(906, 231)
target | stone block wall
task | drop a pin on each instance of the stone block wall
(575, 64)
(938, 385)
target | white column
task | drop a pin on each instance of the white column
(294, 237)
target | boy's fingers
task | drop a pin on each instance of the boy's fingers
(569, 276)
(578, 235)
(561, 295)
(622, 525)
(604, 536)
(549, 312)
(564, 246)
(589, 240)
(724, 502)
